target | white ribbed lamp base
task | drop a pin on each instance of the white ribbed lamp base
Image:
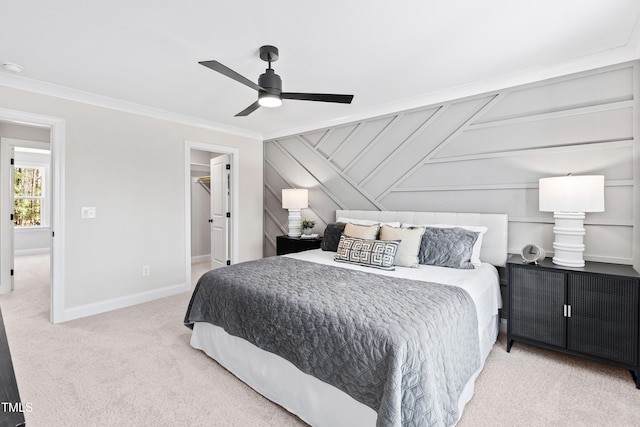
(568, 247)
(295, 220)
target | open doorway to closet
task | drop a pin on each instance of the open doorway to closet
(211, 207)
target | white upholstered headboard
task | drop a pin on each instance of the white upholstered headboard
(494, 242)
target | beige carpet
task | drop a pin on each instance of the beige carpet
(135, 367)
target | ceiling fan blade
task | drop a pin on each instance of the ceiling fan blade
(223, 69)
(250, 109)
(324, 97)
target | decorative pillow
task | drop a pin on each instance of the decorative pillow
(370, 253)
(448, 247)
(410, 239)
(362, 231)
(367, 222)
(477, 246)
(331, 236)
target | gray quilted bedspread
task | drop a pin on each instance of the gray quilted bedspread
(402, 347)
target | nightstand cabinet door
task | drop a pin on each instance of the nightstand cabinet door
(537, 299)
(604, 317)
(591, 311)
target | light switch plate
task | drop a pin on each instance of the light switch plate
(88, 212)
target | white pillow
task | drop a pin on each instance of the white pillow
(410, 239)
(367, 232)
(477, 246)
(367, 222)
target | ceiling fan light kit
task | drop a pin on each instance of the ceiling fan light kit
(269, 85)
(269, 100)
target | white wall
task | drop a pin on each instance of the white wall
(30, 133)
(32, 241)
(131, 168)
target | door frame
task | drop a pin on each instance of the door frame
(234, 153)
(57, 142)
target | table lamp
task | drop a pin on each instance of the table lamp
(569, 197)
(295, 199)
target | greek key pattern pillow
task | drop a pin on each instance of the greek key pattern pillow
(370, 253)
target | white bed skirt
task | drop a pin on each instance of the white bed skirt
(314, 401)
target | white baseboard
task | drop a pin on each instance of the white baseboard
(200, 258)
(121, 302)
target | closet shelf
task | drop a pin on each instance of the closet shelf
(205, 182)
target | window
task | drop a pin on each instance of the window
(29, 200)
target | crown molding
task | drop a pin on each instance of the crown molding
(627, 53)
(49, 89)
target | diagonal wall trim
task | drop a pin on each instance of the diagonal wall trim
(370, 198)
(487, 106)
(440, 110)
(275, 220)
(349, 138)
(278, 197)
(321, 186)
(577, 147)
(396, 119)
(483, 153)
(615, 105)
(322, 140)
(269, 212)
(275, 194)
(271, 241)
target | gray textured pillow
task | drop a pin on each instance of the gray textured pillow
(447, 247)
(331, 236)
(370, 253)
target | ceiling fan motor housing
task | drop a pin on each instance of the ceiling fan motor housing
(270, 82)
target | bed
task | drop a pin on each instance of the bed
(387, 377)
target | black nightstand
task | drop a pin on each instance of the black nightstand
(288, 245)
(590, 312)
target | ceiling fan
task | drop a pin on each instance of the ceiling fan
(269, 85)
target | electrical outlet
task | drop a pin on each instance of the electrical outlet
(146, 270)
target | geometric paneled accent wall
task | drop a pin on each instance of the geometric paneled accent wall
(483, 153)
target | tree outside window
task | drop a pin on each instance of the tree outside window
(28, 196)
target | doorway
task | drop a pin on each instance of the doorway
(204, 239)
(29, 200)
(55, 128)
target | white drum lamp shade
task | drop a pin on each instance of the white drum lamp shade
(569, 197)
(295, 199)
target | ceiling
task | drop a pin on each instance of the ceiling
(390, 55)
